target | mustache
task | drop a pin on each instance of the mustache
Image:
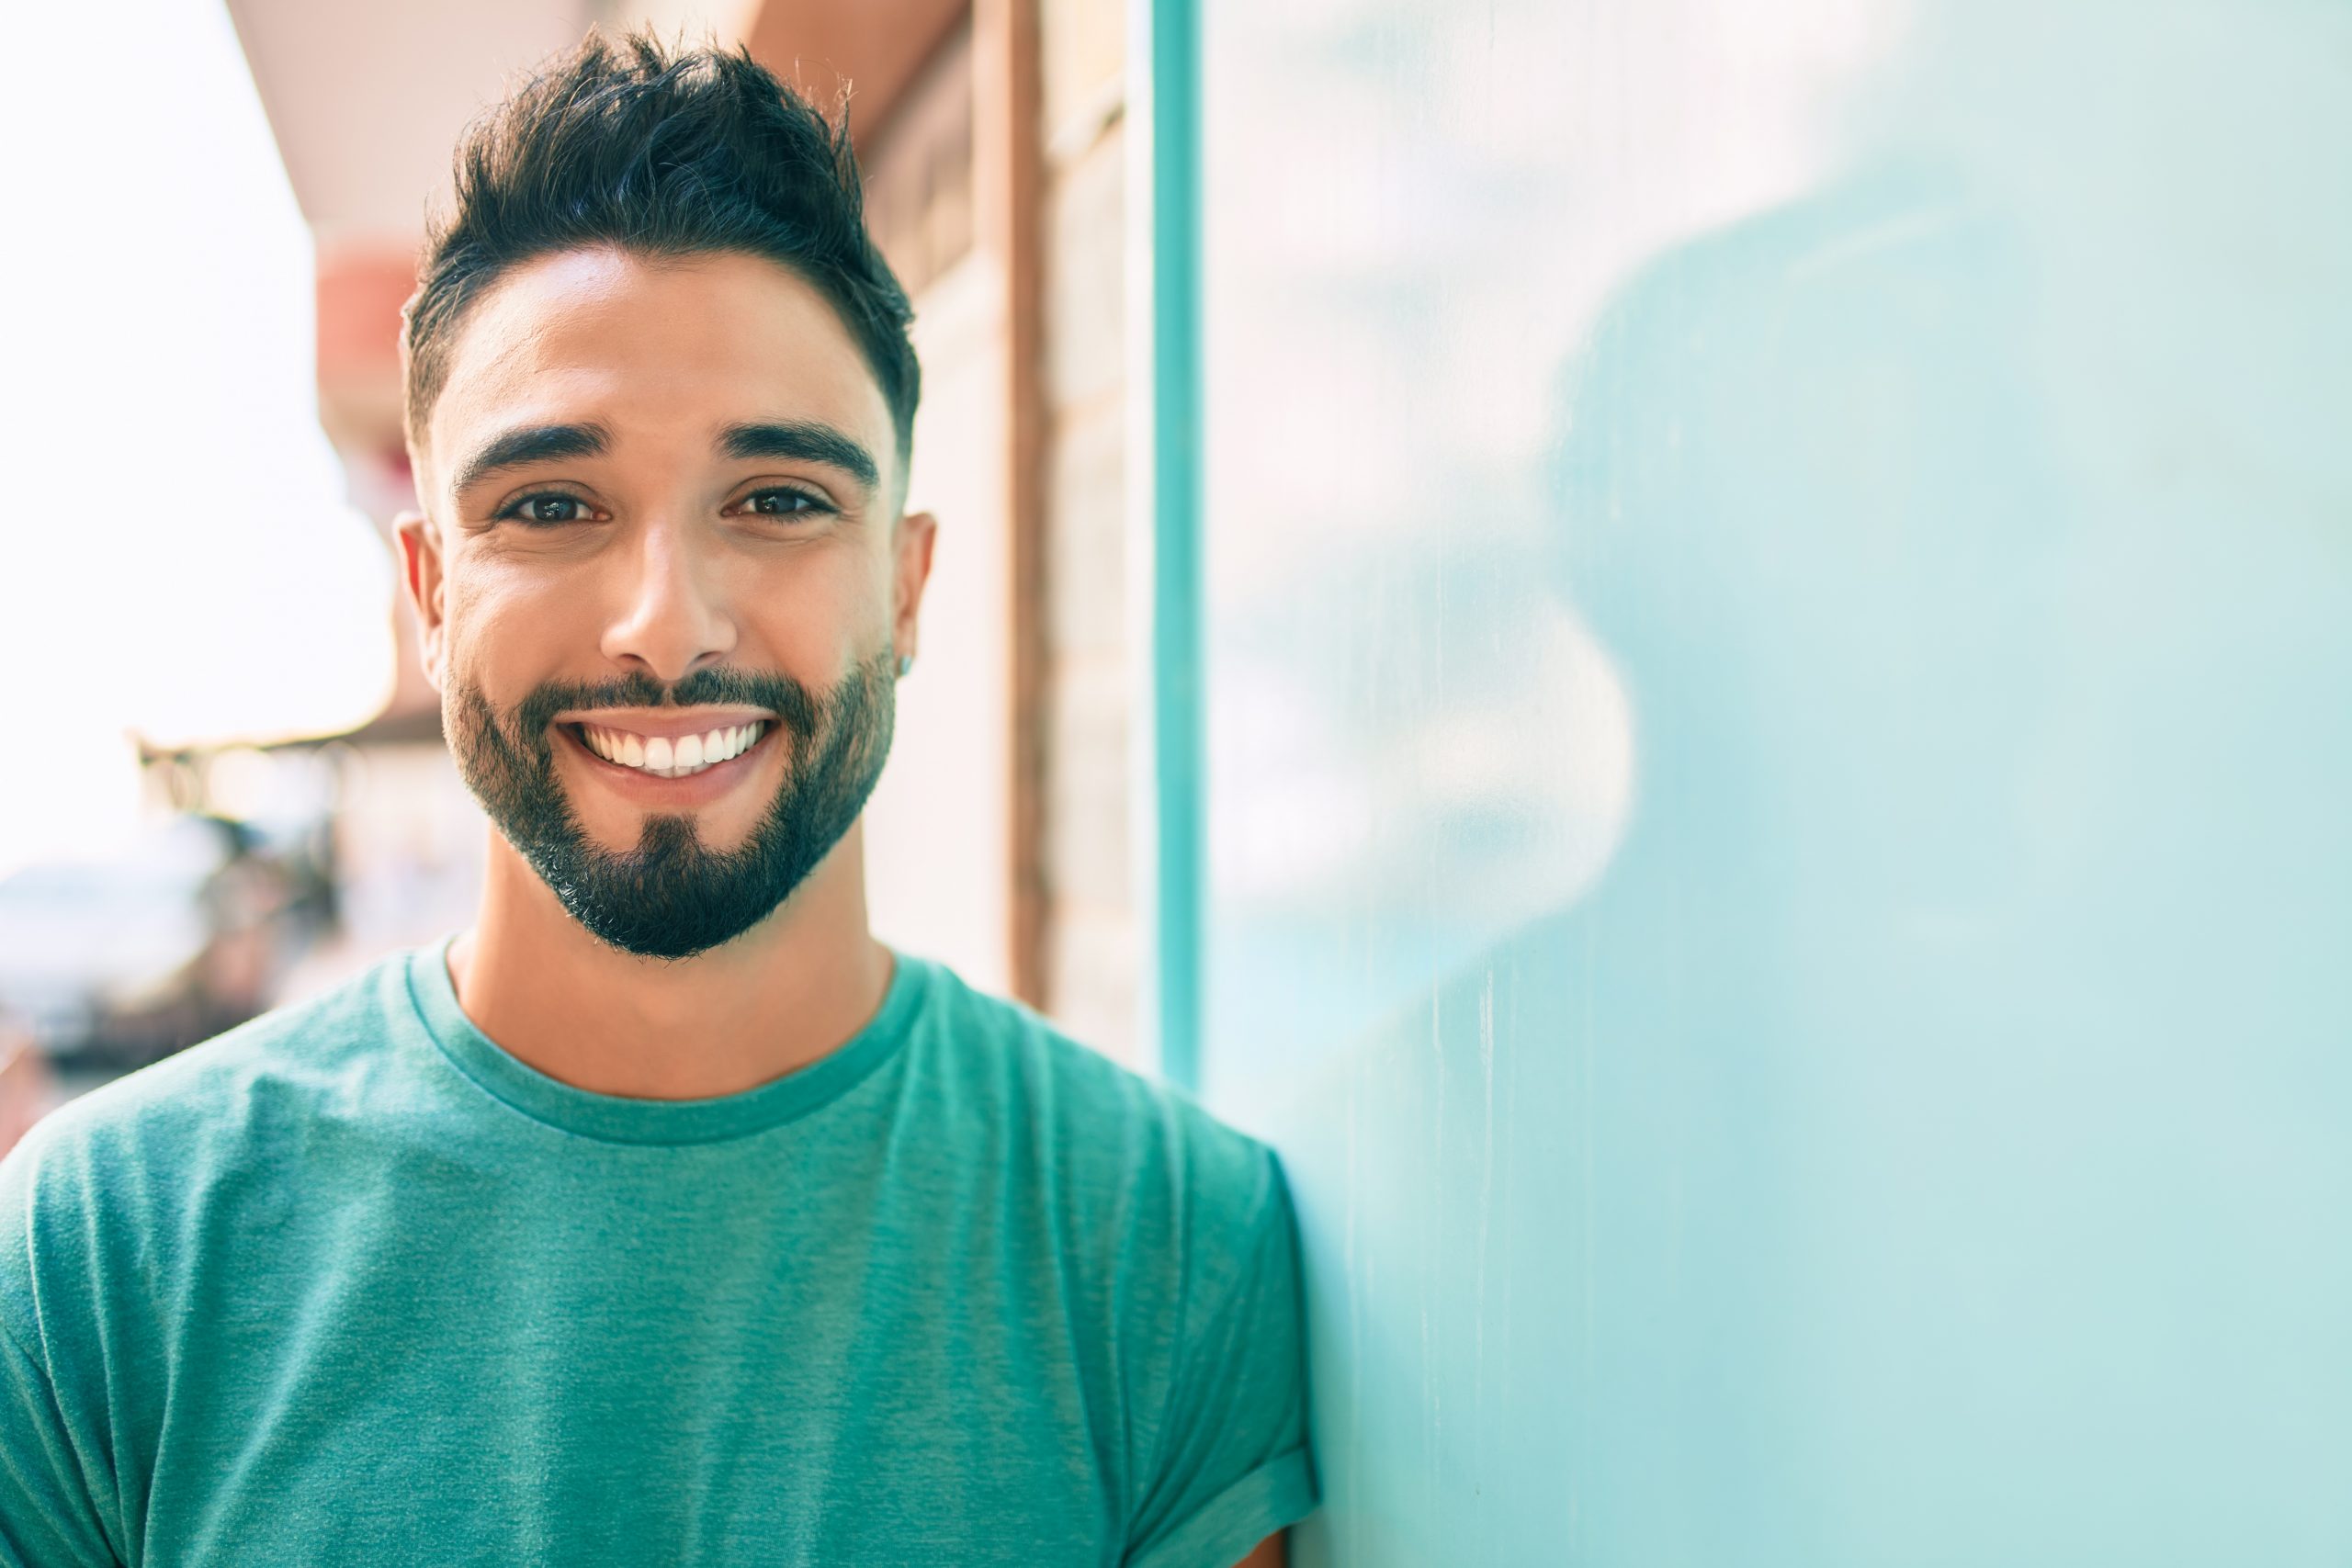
(797, 707)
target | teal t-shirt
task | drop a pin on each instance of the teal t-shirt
(351, 1284)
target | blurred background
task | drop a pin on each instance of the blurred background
(1698, 652)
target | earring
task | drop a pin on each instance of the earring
(906, 662)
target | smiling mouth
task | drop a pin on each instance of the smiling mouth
(663, 758)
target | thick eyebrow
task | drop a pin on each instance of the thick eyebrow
(803, 441)
(530, 443)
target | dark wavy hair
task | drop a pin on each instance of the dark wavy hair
(665, 153)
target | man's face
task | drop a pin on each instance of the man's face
(664, 585)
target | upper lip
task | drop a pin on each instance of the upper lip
(668, 724)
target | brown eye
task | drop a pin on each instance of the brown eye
(782, 503)
(547, 509)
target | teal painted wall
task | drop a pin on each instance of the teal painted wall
(1777, 598)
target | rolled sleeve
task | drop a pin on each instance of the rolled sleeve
(1235, 1460)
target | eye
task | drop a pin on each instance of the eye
(546, 508)
(779, 501)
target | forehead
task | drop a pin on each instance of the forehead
(656, 350)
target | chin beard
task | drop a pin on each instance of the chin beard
(672, 895)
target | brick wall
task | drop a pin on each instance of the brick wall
(1091, 935)
(922, 219)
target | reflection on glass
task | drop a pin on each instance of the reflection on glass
(1778, 862)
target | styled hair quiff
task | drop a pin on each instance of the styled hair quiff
(666, 153)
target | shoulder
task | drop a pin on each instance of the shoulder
(150, 1139)
(1181, 1273)
(1133, 1156)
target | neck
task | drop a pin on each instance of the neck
(790, 990)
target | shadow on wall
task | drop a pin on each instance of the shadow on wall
(1926, 1141)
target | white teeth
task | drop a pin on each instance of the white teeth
(671, 759)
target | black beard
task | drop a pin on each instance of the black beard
(673, 897)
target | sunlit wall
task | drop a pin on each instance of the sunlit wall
(1779, 607)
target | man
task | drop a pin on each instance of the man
(665, 1215)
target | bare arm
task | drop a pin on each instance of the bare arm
(1270, 1553)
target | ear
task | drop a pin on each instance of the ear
(421, 578)
(911, 545)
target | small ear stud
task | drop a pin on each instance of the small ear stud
(906, 662)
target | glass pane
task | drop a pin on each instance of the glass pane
(1778, 743)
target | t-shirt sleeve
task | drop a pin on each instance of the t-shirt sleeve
(1234, 1460)
(47, 1517)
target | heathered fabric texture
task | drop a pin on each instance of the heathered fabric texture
(351, 1284)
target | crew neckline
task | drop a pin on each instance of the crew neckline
(622, 1119)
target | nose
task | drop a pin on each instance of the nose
(671, 614)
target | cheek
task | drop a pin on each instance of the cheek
(809, 616)
(505, 631)
(812, 612)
